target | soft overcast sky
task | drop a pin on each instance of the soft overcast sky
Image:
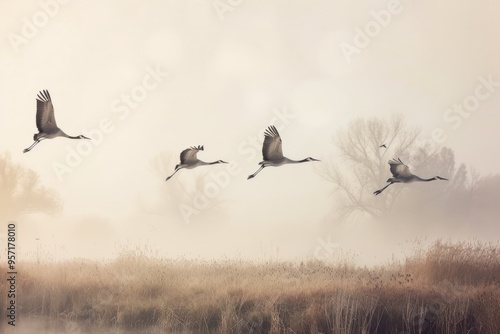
(224, 71)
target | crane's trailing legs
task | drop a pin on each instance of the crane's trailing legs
(257, 172)
(176, 170)
(32, 145)
(380, 190)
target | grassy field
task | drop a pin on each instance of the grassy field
(449, 288)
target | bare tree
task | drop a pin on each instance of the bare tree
(362, 164)
(365, 146)
(21, 191)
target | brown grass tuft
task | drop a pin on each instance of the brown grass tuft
(451, 288)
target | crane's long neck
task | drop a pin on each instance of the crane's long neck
(204, 163)
(417, 178)
(290, 161)
(61, 133)
(70, 137)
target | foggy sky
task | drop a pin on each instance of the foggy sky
(222, 75)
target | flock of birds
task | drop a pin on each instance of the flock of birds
(272, 151)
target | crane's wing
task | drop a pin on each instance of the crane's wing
(45, 120)
(398, 168)
(189, 154)
(272, 144)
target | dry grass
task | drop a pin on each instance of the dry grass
(451, 288)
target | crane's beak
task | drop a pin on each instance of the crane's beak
(315, 159)
(223, 162)
(441, 178)
(86, 138)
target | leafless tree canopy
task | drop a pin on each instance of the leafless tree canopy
(361, 168)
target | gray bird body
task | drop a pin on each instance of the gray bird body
(401, 174)
(189, 160)
(46, 121)
(272, 152)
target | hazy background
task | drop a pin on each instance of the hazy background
(232, 67)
